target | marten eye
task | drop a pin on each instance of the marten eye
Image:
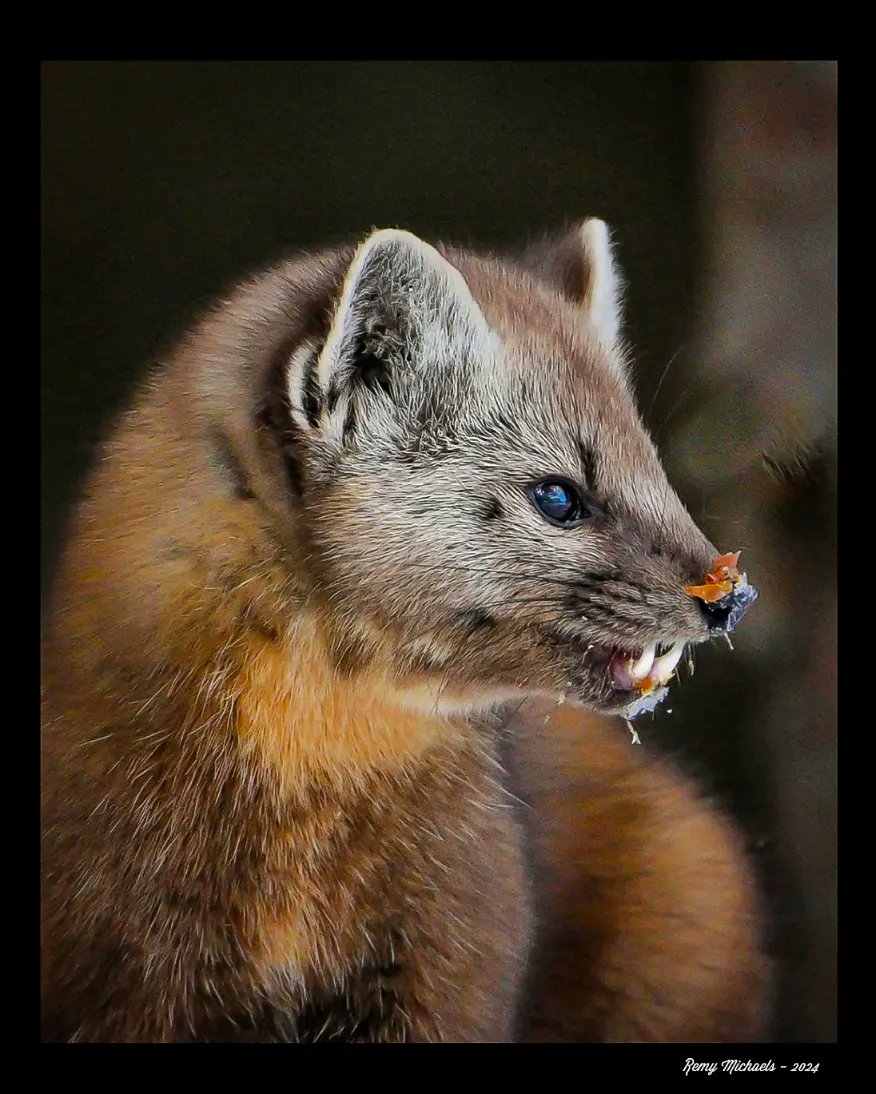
(559, 502)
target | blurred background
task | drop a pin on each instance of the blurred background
(165, 181)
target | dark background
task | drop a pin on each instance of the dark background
(165, 181)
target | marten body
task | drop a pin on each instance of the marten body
(305, 580)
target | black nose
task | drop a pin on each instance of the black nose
(723, 615)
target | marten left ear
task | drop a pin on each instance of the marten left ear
(404, 315)
(581, 266)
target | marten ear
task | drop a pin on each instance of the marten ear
(403, 308)
(581, 266)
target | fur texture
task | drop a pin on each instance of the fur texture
(305, 576)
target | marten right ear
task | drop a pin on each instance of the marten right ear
(404, 313)
(581, 266)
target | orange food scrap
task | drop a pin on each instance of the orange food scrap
(715, 590)
(724, 568)
(719, 581)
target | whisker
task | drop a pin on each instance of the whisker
(669, 364)
(566, 583)
(676, 406)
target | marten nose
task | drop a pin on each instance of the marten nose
(723, 615)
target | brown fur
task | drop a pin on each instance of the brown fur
(273, 807)
(648, 916)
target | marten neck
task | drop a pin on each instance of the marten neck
(310, 722)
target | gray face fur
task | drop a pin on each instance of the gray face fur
(447, 387)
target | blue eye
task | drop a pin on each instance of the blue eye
(559, 502)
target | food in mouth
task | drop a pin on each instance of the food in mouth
(638, 679)
(642, 680)
(644, 676)
(648, 671)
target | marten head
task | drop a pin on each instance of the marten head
(485, 514)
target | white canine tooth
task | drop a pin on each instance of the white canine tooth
(664, 666)
(638, 670)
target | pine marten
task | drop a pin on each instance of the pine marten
(374, 500)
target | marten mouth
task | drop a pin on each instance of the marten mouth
(637, 678)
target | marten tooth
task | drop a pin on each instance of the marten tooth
(664, 666)
(640, 669)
